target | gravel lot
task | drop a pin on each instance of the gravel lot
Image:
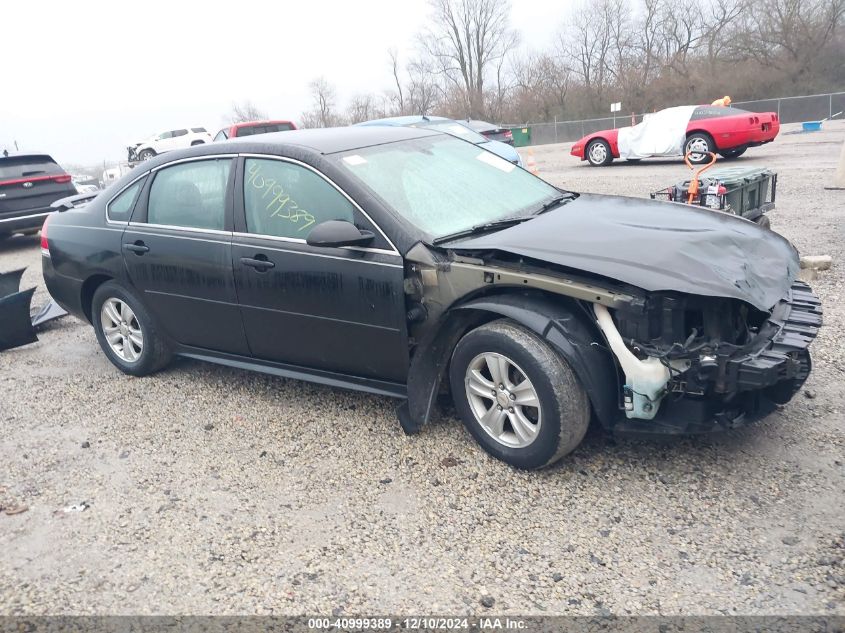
(212, 490)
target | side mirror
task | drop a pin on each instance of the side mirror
(338, 233)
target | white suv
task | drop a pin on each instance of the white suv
(166, 141)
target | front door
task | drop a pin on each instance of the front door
(334, 309)
(178, 253)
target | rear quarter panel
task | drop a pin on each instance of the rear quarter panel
(738, 130)
(81, 245)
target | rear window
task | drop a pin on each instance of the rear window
(198, 130)
(715, 112)
(264, 128)
(13, 167)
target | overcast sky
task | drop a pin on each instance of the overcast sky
(92, 76)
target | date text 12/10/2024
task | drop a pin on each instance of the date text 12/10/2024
(416, 624)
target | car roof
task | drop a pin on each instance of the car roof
(321, 140)
(403, 120)
(3, 155)
(255, 123)
(478, 125)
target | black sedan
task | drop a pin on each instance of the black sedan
(407, 262)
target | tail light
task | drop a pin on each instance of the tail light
(63, 178)
(508, 134)
(45, 245)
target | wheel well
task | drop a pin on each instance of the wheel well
(89, 287)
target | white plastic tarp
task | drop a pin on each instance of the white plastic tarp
(660, 134)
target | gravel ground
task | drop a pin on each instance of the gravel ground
(211, 490)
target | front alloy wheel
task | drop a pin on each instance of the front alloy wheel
(503, 400)
(598, 153)
(122, 330)
(517, 396)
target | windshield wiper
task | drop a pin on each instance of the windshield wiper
(557, 200)
(483, 228)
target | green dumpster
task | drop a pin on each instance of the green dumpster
(521, 136)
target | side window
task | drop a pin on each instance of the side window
(164, 135)
(221, 136)
(286, 200)
(176, 133)
(192, 195)
(120, 208)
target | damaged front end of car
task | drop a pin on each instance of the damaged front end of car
(694, 364)
(650, 361)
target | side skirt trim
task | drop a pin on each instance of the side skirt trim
(331, 379)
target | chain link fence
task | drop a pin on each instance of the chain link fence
(789, 109)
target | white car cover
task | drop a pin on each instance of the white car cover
(660, 134)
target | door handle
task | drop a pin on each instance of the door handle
(139, 248)
(260, 263)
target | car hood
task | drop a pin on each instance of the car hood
(655, 246)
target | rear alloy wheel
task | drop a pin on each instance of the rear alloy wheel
(147, 154)
(517, 396)
(598, 153)
(126, 332)
(699, 146)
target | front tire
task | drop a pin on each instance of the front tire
(598, 153)
(195, 143)
(699, 146)
(126, 332)
(147, 154)
(517, 396)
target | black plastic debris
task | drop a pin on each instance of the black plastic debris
(17, 320)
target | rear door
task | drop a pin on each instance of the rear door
(334, 309)
(178, 253)
(30, 184)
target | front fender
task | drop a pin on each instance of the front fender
(572, 335)
(556, 321)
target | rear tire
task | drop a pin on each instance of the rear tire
(598, 153)
(126, 332)
(701, 144)
(517, 396)
(193, 143)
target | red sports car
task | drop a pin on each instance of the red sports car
(678, 131)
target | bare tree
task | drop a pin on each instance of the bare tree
(245, 111)
(361, 108)
(468, 39)
(400, 96)
(323, 113)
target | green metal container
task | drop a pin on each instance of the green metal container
(521, 136)
(750, 190)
